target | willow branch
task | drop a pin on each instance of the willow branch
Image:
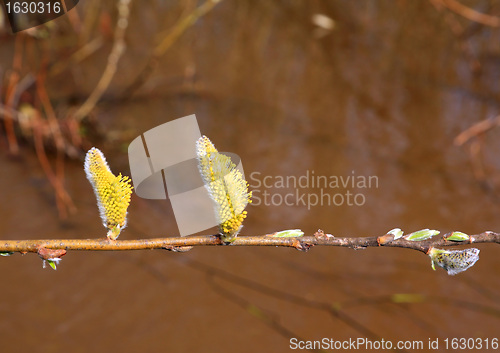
(184, 243)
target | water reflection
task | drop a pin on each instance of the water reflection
(384, 94)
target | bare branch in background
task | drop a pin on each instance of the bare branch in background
(477, 129)
(10, 94)
(169, 39)
(116, 52)
(474, 137)
(470, 14)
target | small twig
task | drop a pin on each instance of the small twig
(78, 56)
(11, 94)
(92, 11)
(63, 200)
(476, 130)
(74, 18)
(471, 14)
(474, 136)
(458, 30)
(476, 161)
(52, 120)
(56, 178)
(7, 112)
(112, 64)
(170, 38)
(302, 243)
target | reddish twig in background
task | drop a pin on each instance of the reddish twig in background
(63, 200)
(52, 120)
(73, 17)
(474, 136)
(477, 129)
(475, 157)
(90, 19)
(10, 94)
(458, 30)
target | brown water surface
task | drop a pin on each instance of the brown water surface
(383, 94)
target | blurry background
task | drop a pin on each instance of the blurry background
(378, 88)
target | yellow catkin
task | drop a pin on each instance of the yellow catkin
(226, 186)
(112, 192)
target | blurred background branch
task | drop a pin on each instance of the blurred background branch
(469, 13)
(169, 37)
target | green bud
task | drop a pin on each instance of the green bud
(290, 233)
(52, 264)
(423, 234)
(397, 232)
(6, 253)
(457, 236)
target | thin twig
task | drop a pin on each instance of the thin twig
(52, 120)
(92, 12)
(477, 129)
(112, 64)
(11, 94)
(73, 17)
(471, 14)
(81, 54)
(180, 243)
(167, 42)
(63, 200)
(474, 136)
(458, 30)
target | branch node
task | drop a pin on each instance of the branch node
(320, 234)
(46, 254)
(177, 248)
(384, 239)
(301, 246)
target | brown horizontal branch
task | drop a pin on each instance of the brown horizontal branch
(184, 243)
